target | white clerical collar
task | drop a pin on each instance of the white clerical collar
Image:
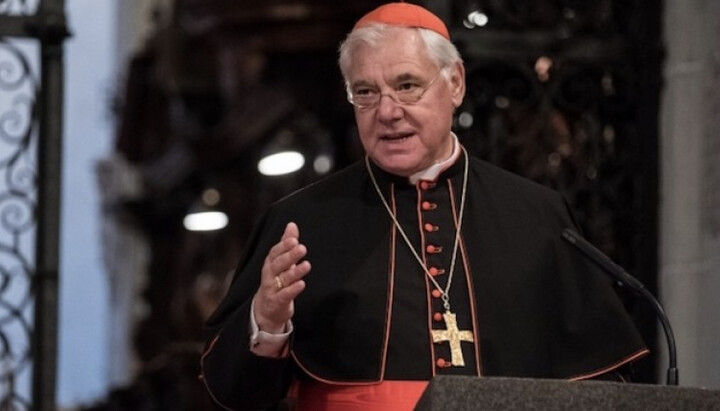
(432, 172)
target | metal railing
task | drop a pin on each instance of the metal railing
(32, 34)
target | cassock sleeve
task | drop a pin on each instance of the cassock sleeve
(236, 378)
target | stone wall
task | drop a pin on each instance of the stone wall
(690, 187)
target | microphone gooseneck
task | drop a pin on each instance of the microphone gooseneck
(619, 274)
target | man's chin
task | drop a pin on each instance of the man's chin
(397, 166)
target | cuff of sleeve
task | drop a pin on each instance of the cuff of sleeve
(268, 344)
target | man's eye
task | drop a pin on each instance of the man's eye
(363, 92)
(407, 87)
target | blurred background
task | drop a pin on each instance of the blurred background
(125, 125)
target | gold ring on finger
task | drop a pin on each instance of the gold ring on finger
(278, 283)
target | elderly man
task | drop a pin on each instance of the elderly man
(415, 262)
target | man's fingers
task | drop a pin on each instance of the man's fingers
(291, 231)
(288, 293)
(286, 260)
(289, 239)
(282, 257)
(294, 273)
(282, 247)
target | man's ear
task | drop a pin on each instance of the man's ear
(457, 84)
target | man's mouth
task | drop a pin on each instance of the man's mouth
(396, 137)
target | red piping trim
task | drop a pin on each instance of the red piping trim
(391, 286)
(468, 279)
(428, 285)
(609, 368)
(332, 382)
(202, 373)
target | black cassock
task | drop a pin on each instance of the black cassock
(534, 306)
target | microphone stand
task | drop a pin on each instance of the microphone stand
(619, 274)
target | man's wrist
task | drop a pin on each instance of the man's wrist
(267, 343)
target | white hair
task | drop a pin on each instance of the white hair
(439, 49)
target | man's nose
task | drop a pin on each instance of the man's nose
(388, 107)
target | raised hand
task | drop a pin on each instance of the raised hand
(281, 281)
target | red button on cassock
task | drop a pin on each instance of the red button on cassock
(426, 185)
(436, 293)
(433, 249)
(426, 205)
(437, 317)
(429, 227)
(442, 363)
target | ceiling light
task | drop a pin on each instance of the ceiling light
(476, 19)
(203, 215)
(277, 164)
(205, 221)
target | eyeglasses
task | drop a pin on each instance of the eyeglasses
(407, 92)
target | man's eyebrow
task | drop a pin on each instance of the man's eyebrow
(406, 77)
(362, 82)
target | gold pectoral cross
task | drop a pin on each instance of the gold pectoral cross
(454, 336)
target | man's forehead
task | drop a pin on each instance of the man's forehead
(402, 54)
(391, 68)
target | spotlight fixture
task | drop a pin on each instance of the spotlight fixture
(204, 215)
(283, 155)
(476, 18)
(281, 163)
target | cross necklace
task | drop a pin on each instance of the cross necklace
(451, 334)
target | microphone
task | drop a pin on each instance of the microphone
(619, 274)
